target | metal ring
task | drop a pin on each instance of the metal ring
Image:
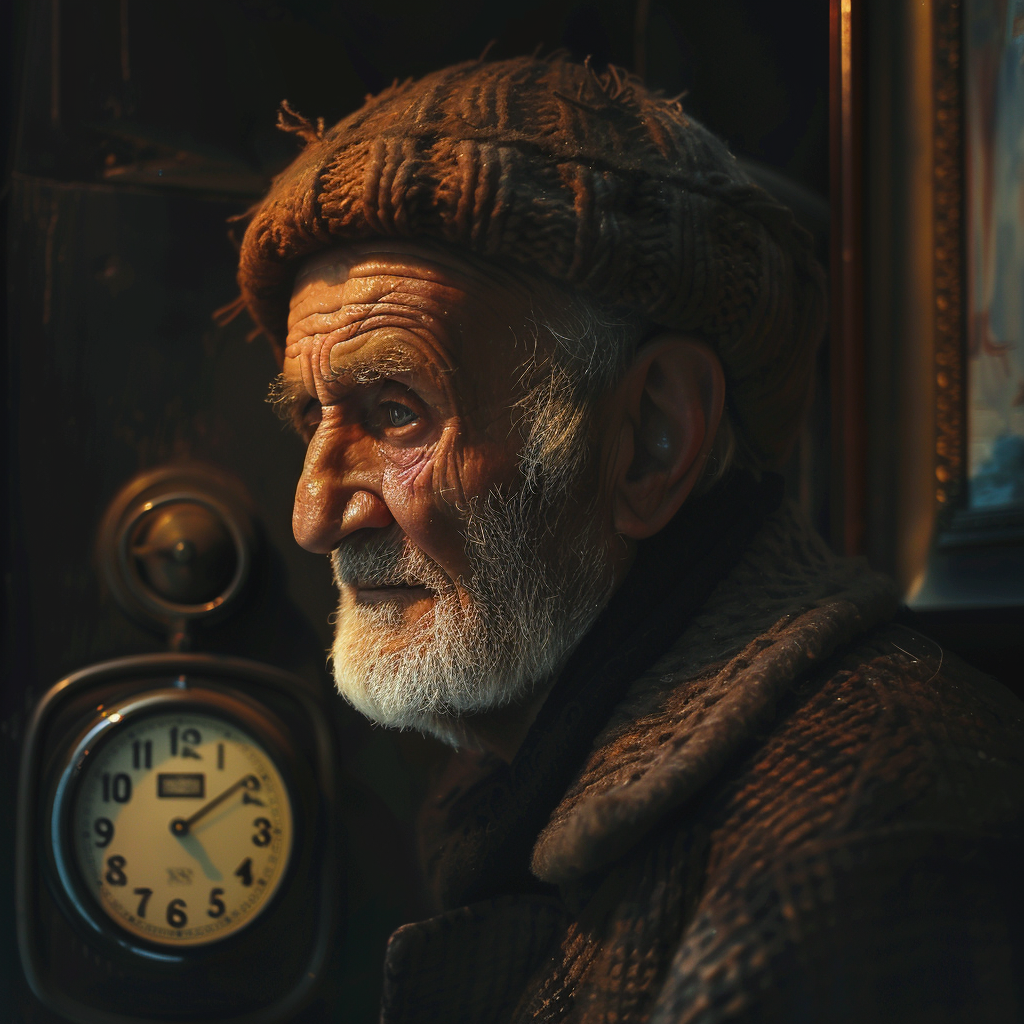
(145, 595)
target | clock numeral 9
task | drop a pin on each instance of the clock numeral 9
(217, 907)
(262, 837)
(176, 916)
(120, 788)
(104, 828)
(115, 870)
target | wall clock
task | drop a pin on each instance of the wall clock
(175, 851)
(173, 817)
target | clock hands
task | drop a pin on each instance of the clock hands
(182, 826)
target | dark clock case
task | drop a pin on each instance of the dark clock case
(85, 968)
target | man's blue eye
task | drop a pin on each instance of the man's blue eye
(399, 415)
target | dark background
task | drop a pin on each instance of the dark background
(134, 130)
(206, 77)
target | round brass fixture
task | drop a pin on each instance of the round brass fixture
(176, 545)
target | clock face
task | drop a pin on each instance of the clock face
(181, 826)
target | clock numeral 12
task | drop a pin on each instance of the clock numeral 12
(189, 738)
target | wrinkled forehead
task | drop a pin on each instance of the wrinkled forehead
(426, 261)
(426, 306)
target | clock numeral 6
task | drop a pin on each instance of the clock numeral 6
(104, 828)
(115, 870)
(217, 907)
(262, 837)
(176, 916)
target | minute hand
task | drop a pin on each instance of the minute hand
(182, 826)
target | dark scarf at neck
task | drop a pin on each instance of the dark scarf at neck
(479, 830)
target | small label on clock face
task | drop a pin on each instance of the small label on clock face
(180, 784)
(182, 827)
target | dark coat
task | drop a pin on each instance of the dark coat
(802, 812)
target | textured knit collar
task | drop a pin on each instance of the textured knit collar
(479, 832)
(785, 607)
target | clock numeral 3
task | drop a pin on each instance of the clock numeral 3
(262, 837)
(176, 916)
(115, 870)
(144, 894)
(217, 907)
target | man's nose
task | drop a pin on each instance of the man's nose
(334, 498)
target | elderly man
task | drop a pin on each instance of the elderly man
(545, 343)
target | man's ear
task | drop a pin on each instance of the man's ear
(665, 414)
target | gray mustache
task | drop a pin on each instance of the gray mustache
(388, 562)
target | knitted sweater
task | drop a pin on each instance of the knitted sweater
(802, 812)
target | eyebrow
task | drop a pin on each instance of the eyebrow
(367, 369)
(288, 395)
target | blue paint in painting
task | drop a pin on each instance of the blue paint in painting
(1000, 479)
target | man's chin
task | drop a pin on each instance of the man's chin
(403, 678)
(357, 678)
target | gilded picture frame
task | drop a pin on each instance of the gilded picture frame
(975, 562)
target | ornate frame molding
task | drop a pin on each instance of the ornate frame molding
(950, 268)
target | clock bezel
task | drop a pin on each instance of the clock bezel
(231, 707)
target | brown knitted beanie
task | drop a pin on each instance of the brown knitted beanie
(589, 179)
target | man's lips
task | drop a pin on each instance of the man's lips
(374, 593)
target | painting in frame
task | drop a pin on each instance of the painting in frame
(979, 231)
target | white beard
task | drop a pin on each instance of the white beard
(517, 619)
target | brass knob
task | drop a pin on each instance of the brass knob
(185, 553)
(176, 545)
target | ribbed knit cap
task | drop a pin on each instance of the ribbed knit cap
(588, 179)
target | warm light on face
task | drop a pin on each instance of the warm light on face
(460, 588)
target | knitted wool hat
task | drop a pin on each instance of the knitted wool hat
(589, 179)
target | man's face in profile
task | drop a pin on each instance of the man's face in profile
(461, 586)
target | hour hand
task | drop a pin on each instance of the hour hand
(182, 826)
